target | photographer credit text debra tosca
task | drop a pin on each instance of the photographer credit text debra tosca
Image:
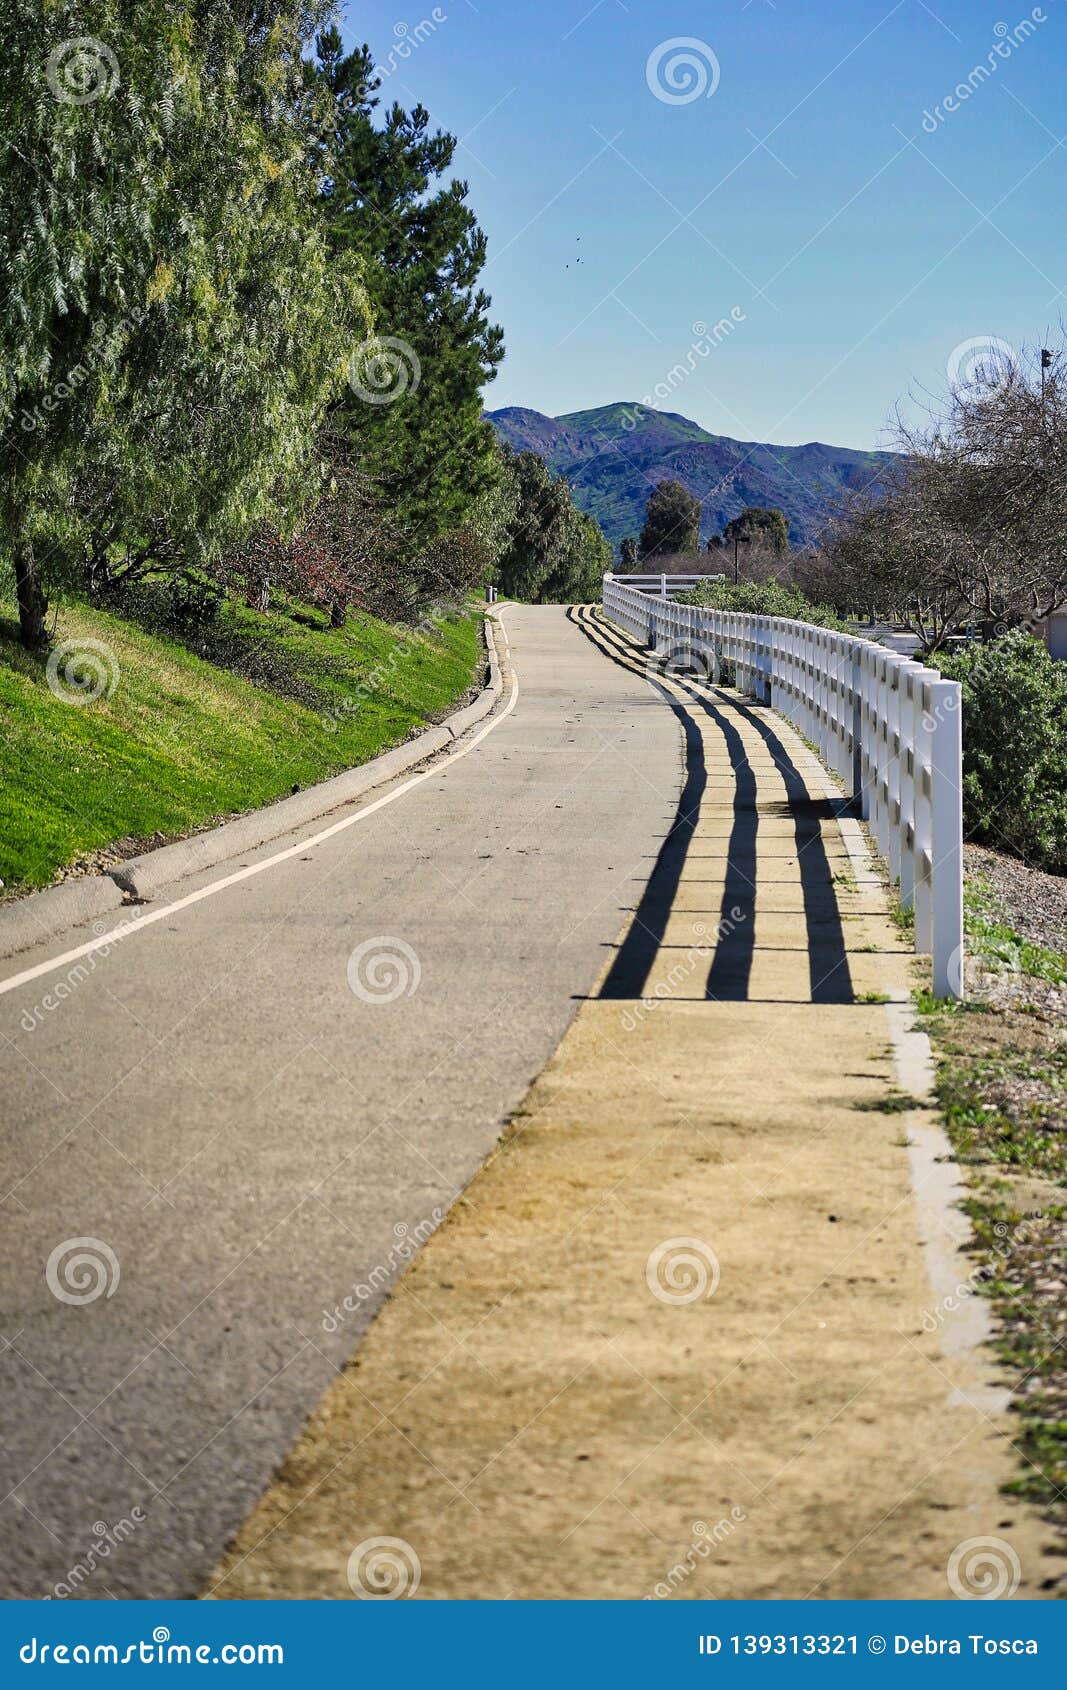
(825, 1643)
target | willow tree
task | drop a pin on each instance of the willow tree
(172, 326)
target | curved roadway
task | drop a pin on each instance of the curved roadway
(254, 1146)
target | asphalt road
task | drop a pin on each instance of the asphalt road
(255, 1109)
(709, 1289)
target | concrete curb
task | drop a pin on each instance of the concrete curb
(43, 915)
(40, 916)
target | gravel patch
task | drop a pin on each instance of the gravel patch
(1034, 903)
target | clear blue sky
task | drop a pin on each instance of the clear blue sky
(805, 193)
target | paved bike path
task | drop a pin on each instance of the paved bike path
(680, 1338)
(253, 1141)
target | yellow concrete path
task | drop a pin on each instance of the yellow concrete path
(676, 1338)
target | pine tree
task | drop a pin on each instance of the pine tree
(415, 410)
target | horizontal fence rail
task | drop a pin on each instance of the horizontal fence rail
(662, 586)
(888, 728)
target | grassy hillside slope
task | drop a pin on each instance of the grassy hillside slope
(180, 742)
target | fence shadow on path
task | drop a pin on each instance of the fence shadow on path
(730, 973)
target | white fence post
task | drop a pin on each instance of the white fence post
(923, 845)
(947, 838)
(910, 710)
(856, 723)
(892, 773)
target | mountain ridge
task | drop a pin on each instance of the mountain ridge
(613, 456)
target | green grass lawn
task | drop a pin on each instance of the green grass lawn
(180, 741)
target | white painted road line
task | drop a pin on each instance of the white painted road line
(137, 923)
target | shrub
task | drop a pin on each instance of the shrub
(1014, 747)
(761, 598)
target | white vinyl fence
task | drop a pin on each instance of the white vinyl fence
(664, 586)
(887, 727)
